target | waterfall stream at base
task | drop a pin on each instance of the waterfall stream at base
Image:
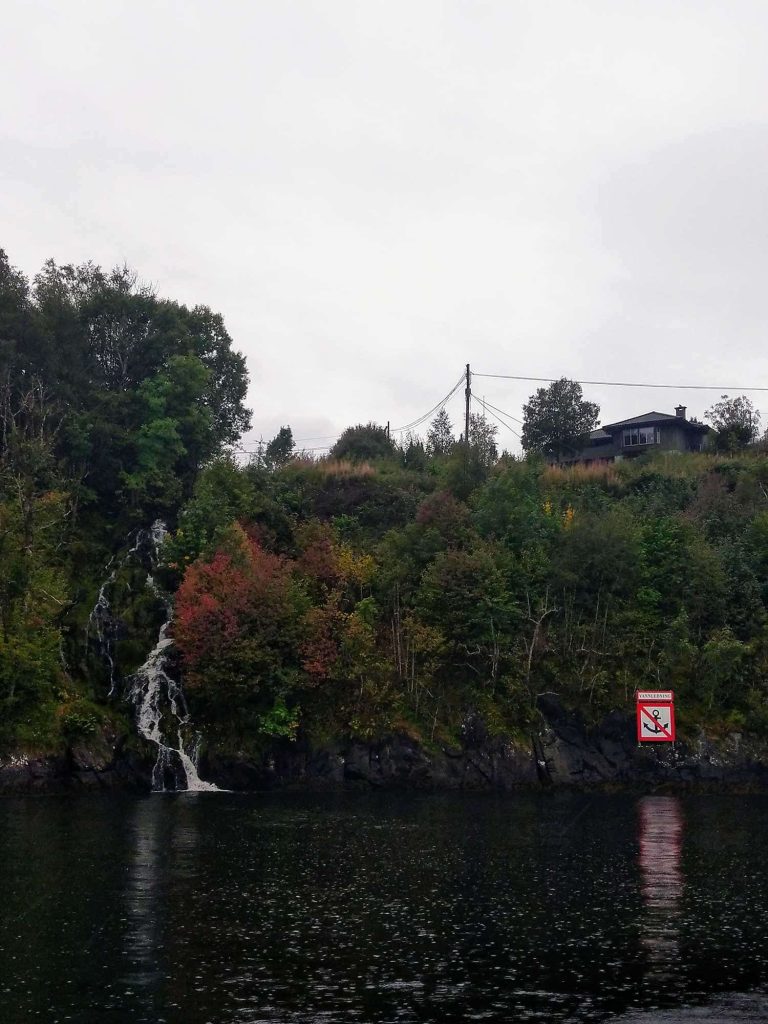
(157, 698)
(155, 695)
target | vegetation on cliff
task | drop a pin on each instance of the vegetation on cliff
(391, 586)
(341, 597)
(111, 401)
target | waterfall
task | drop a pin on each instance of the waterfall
(157, 532)
(158, 697)
(155, 696)
(100, 622)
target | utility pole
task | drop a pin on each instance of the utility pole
(468, 397)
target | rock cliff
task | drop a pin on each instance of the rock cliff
(562, 752)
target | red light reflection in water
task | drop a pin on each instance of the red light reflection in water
(660, 836)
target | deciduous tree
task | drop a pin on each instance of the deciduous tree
(440, 439)
(363, 442)
(735, 421)
(557, 420)
(237, 625)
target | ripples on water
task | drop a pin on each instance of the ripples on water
(231, 909)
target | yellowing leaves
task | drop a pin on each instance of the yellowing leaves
(355, 568)
(567, 515)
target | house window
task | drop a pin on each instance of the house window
(634, 436)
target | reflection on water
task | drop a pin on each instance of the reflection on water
(378, 908)
(163, 838)
(143, 904)
(660, 839)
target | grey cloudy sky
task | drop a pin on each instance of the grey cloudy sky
(375, 192)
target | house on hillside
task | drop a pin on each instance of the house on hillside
(651, 432)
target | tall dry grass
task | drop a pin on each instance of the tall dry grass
(327, 467)
(594, 472)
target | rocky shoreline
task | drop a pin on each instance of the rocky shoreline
(563, 752)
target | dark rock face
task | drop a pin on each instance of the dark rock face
(563, 752)
(95, 766)
(397, 761)
(19, 774)
(570, 754)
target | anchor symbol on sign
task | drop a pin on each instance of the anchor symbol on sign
(657, 726)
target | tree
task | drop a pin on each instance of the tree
(362, 442)
(736, 422)
(465, 594)
(598, 558)
(440, 439)
(224, 493)
(174, 432)
(412, 452)
(482, 440)
(18, 338)
(152, 389)
(557, 419)
(280, 449)
(449, 517)
(237, 627)
(34, 536)
(722, 660)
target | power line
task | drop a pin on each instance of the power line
(622, 384)
(571, 448)
(395, 430)
(417, 422)
(498, 418)
(421, 419)
(488, 406)
(319, 437)
(259, 448)
(507, 414)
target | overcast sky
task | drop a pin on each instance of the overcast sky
(375, 192)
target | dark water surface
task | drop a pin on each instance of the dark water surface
(208, 908)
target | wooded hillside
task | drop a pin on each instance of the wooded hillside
(388, 587)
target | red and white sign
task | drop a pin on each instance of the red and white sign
(655, 716)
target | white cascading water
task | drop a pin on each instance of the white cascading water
(156, 695)
(99, 622)
(157, 532)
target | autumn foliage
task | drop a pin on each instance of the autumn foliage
(399, 601)
(256, 630)
(237, 619)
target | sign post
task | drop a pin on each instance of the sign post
(655, 716)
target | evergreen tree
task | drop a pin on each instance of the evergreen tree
(280, 449)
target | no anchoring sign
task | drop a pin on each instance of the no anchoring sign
(655, 716)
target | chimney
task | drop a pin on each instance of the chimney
(680, 411)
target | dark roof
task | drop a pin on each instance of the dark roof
(649, 418)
